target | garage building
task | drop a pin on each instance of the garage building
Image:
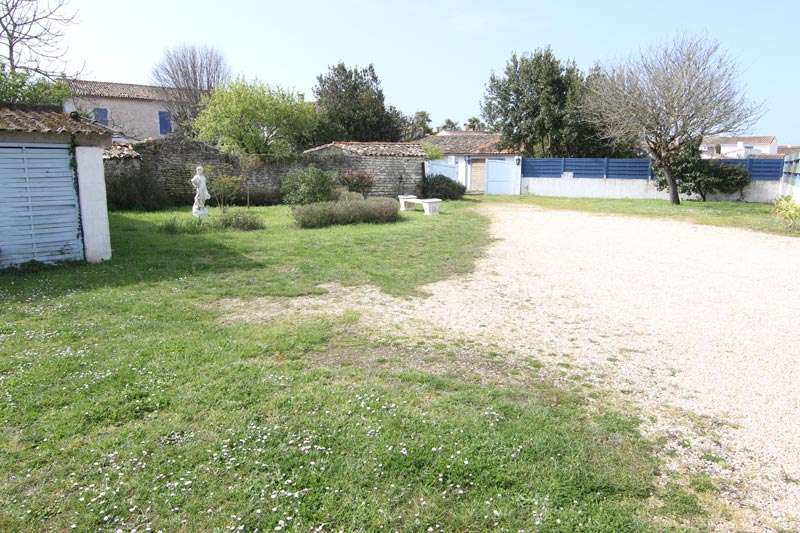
(52, 187)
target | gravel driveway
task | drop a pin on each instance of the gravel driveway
(698, 325)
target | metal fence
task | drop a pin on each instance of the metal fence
(585, 167)
(791, 169)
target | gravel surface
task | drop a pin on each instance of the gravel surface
(698, 325)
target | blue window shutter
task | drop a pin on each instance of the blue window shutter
(101, 115)
(164, 122)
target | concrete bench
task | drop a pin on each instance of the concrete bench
(429, 205)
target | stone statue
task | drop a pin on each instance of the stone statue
(201, 194)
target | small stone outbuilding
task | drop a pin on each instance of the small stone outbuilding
(398, 167)
(52, 187)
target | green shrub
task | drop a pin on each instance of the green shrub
(359, 181)
(441, 187)
(788, 211)
(225, 189)
(321, 214)
(308, 185)
(239, 220)
(231, 220)
(135, 192)
(348, 196)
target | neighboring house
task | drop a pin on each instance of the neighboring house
(788, 149)
(53, 205)
(135, 112)
(474, 159)
(738, 147)
(396, 166)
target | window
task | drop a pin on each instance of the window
(164, 122)
(101, 115)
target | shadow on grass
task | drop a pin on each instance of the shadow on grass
(141, 253)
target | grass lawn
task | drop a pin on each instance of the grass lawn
(125, 403)
(752, 216)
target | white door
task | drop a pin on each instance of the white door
(500, 176)
(39, 210)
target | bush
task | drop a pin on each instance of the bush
(225, 189)
(347, 196)
(703, 176)
(230, 220)
(135, 192)
(359, 181)
(441, 187)
(788, 211)
(321, 214)
(308, 185)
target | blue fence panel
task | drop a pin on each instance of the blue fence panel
(628, 169)
(443, 168)
(587, 167)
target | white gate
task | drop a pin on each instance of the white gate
(500, 176)
(39, 210)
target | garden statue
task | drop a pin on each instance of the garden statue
(201, 194)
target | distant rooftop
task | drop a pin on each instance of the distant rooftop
(388, 149)
(108, 89)
(467, 142)
(746, 139)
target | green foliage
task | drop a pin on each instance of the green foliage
(352, 107)
(536, 105)
(788, 211)
(432, 151)
(474, 124)
(449, 125)
(308, 185)
(359, 181)
(254, 118)
(225, 189)
(441, 187)
(137, 193)
(418, 126)
(702, 177)
(321, 214)
(20, 87)
(239, 220)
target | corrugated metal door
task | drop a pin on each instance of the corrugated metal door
(500, 176)
(39, 210)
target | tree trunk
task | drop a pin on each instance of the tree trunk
(674, 197)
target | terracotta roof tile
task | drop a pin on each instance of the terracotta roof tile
(751, 139)
(387, 149)
(467, 142)
(46, 119)
(121, 151)
(107, 89)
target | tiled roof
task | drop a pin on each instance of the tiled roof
(107, 89)
(387, 149)
(467, 142)
(46, 119)
(121, 151)
(788, 149)
(751, 139)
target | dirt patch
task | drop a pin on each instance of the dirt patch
(696, 324)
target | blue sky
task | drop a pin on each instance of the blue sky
(437, 56)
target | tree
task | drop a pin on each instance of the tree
(254, 118)
(536, 106)
(188, 73)
(669, 97)
(21, 88)
(703, 177)
(449, 125)
(31, 32)
(352, 107)
(418, 126)
(474, 124)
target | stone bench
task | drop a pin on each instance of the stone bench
(429, 205)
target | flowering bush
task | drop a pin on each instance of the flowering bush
(321, 214)
(787, 210)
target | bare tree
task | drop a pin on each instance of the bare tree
(187, 73)
(31, 32)
(669, 96)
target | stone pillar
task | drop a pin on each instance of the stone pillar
(92, 198)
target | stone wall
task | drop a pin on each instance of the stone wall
(166, 166)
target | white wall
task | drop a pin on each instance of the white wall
(92, 198)
(757, 191)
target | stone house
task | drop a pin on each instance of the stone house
(134, 112)
(398, 167)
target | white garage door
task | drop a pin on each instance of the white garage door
(39, 210)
